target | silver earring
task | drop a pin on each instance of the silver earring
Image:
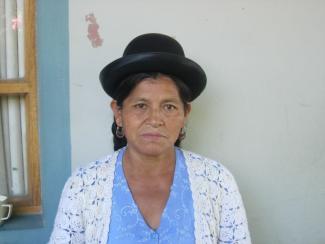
(182, 134)
(119, 132)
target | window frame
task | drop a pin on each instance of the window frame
(27, 86)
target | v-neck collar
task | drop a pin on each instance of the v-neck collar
(172, 186)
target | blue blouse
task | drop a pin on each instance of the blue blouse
(127, 224)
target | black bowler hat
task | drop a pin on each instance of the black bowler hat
(153, 53)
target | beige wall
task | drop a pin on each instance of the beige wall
(262, 114)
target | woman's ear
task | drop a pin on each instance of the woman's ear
(117, 111)
(187, 111)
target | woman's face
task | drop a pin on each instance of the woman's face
(152, 116)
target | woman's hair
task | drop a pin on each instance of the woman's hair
(129, 83)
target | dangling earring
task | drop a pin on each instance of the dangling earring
(119, 132)
(182, 134)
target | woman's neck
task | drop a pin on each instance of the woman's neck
(148, 165)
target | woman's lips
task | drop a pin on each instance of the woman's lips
(152, 136)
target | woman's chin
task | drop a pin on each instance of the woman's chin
(153, 149)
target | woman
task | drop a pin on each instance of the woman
(150, 190)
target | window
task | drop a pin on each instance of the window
(19, 152)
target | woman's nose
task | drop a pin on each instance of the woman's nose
(155, 117)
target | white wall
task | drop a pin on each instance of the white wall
(262, 114)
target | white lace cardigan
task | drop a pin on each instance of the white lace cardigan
(84, 211)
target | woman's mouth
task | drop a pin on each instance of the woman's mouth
(152, 136)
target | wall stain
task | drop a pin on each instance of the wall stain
(93, 34)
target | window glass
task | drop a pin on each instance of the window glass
(12, 39)
(13, 151)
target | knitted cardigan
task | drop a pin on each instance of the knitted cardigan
(84, 211)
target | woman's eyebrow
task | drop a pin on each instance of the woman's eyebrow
(138, 99)
(172, 100)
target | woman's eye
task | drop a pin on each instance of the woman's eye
(140, 106)
(170, 107)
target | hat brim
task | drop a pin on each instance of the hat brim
(181, 67)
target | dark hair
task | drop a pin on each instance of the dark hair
(129, 83)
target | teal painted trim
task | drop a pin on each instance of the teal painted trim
(53, 79)
(34, 221)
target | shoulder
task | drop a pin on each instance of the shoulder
(95, 166)
(92, 174)
(205, 165)
(210, 170)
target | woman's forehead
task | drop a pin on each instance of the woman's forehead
(162, 85)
